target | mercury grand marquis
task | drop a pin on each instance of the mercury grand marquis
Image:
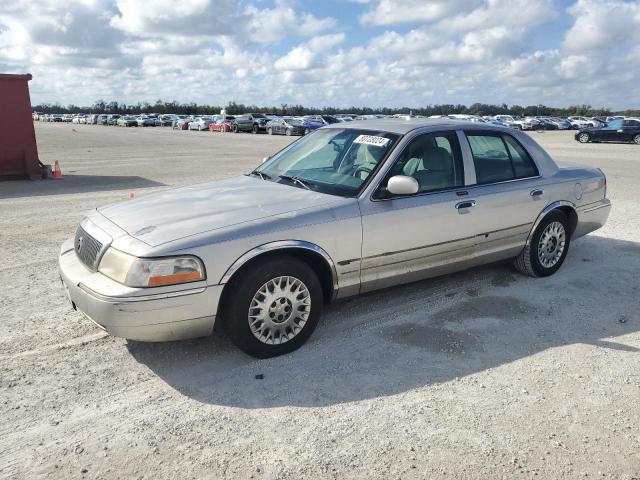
(343, 211)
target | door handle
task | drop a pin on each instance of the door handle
(466, 204)
(536, 193)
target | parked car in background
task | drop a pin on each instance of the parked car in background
(127, 121)
(259, 252)
(285, 126)
(223, 124)
(166, 120)
(619, 130)
(56, 118)
(323, 119)
(578, 122)
(181, 123)
(146, 121)
(200, 123)
(310, 124)
(112, 119)
(250, 122)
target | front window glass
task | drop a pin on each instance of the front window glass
(434, 160)
(333, 161)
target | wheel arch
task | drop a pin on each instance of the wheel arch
(564, 206)
(313, 255)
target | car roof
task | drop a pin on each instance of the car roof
(402, 127)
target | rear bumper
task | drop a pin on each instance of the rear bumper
(139, 314)
(592, 217)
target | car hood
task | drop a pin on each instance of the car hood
(169, 215)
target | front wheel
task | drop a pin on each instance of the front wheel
(636, 139)
(288, 132)
(273, 307)
(255, 129)
(584, 138)
(548, 247)
(270, 131)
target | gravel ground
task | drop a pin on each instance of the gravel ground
(482, 374)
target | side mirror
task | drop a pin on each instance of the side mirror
(266, 158)
(402, 185)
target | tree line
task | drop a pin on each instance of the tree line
(234, 108)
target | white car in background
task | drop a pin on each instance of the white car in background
(582, 122)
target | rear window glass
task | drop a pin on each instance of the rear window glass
(499, 158)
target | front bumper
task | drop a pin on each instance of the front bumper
(142, 314)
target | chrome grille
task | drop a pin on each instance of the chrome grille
(87, 248)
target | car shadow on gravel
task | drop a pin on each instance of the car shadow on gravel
(73, 184)
(434, 331)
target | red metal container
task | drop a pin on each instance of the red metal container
(18, 149)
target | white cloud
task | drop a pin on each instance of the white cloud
(276, 51)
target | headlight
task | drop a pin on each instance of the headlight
(150, 272)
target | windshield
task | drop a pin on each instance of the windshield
(333, 161)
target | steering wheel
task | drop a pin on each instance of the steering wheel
(362, 168)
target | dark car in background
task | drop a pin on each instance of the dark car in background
(285, 126)
(250, 122)
(619, 130)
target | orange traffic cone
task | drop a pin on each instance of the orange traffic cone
(57, 173)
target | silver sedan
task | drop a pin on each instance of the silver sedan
(348, 209)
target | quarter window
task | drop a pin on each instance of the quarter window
(499, 158)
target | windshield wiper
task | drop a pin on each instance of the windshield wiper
(263, 176)
(297, 180)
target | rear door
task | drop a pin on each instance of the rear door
(630, 129)
(508, 193)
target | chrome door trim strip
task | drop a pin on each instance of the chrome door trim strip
(484, 234)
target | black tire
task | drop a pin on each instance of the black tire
(254, 130)
(584, 137)
(528, 262)
(636, 139)
(235, 313)
(288, 132)
(234, 128)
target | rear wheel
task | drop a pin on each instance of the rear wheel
(306, 131)
(548, 247)
(288, 132)
(273, 307)
(234, 129)
(255, 129)
(636, 139)
(270, 131)
(584, 138)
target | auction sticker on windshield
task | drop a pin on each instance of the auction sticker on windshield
(372, 140)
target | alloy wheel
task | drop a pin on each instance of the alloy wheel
(279, 310)
(551, 244)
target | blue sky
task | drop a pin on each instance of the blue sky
(329, 52)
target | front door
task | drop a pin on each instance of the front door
(409, 237)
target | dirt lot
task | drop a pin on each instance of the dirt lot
(482, 374)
